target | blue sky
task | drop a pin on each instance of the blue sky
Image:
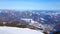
(30, 4)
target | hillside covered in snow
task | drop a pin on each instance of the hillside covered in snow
(15, 30)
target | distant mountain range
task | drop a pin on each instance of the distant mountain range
(41, 16)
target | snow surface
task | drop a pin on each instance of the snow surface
(15, 30)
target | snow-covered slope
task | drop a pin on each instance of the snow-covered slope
(15, 30)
